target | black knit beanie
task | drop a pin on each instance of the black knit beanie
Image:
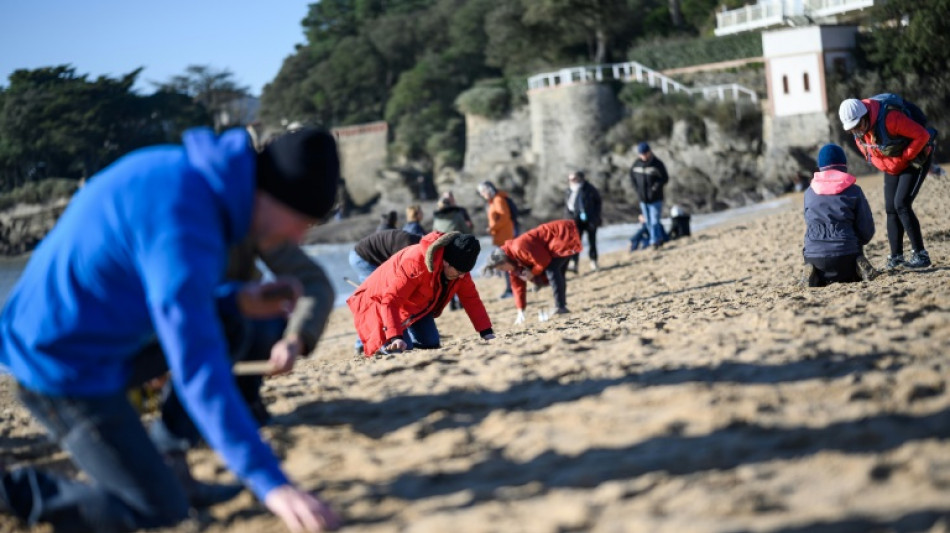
(301, 170)
(462, 252)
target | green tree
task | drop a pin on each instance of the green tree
(910, 36)
(214, 89)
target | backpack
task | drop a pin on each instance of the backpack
(894, 146)
(514, 214)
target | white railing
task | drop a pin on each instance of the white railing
(750, 18)
(828, 8)
(777, 12)
(632, 71)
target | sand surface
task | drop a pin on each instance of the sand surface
(695, 389)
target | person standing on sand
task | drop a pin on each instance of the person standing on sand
(395, 308)
(501, 226)
(838, 223)
(140, 254)
(583, 206)
(540, 255)
(903, 149)
(448, 216)
(648, 176)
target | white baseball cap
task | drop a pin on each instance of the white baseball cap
(850, 112)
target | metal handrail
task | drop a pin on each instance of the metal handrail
(633, 71)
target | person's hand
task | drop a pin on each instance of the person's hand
(283, 355)
(397, 345)
(524, 274)
(270, 299)
(300, 510)
(520, 319)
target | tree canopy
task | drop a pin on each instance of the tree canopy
(408, 60)
(57, 123)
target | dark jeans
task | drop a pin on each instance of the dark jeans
(842, 269)
(423, 334)
(248, 340)
(132, 487)
(555, 273)
(899, 194)
(591, 230)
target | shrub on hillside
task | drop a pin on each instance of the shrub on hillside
(492, 100)
(678, 52)
(38, 192)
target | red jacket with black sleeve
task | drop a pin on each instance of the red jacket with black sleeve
(535, 249)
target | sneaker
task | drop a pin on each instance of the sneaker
(895, 262)
(918, 259)
(506, 294)
(561, 311)
(593, 266)
(866, 270)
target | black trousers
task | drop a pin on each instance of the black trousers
(591, 230)
(841, 269)
(899, 194)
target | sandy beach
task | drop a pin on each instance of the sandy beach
(695, 389)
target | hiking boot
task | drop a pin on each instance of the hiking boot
(866, 270)
(895, 262)
(918, 259)
(200, 495)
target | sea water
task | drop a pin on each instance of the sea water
(334, 258)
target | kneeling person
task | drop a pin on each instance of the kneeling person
(839, 223)
(395, 308)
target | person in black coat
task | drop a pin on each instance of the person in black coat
(583, 207)
(648, 177)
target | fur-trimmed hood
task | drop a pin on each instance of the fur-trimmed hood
(434, 243)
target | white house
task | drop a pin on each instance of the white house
(797, 64)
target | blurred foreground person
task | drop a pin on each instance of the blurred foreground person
(539, 256)
(395, 308)
(140, 254)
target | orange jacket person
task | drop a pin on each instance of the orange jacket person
(395, 308)
(899, 147)
(539, 255)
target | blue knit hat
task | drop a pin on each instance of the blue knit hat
(643, 148)
(832, 155)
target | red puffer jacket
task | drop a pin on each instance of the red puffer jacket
(535, 249)
(406, 288)
(898, 125)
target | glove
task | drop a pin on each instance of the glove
(520, 319)
(524, 274)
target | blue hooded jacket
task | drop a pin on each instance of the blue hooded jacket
(837, 216)
(139, 253)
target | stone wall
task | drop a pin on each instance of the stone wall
(490, 143)
(568, 123)
(362, 155)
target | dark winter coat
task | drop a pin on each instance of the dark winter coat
(586, 201)
(451, 218)
(837, 216)
(380, 246)
(648, 179)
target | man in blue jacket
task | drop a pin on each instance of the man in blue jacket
(140, 254)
